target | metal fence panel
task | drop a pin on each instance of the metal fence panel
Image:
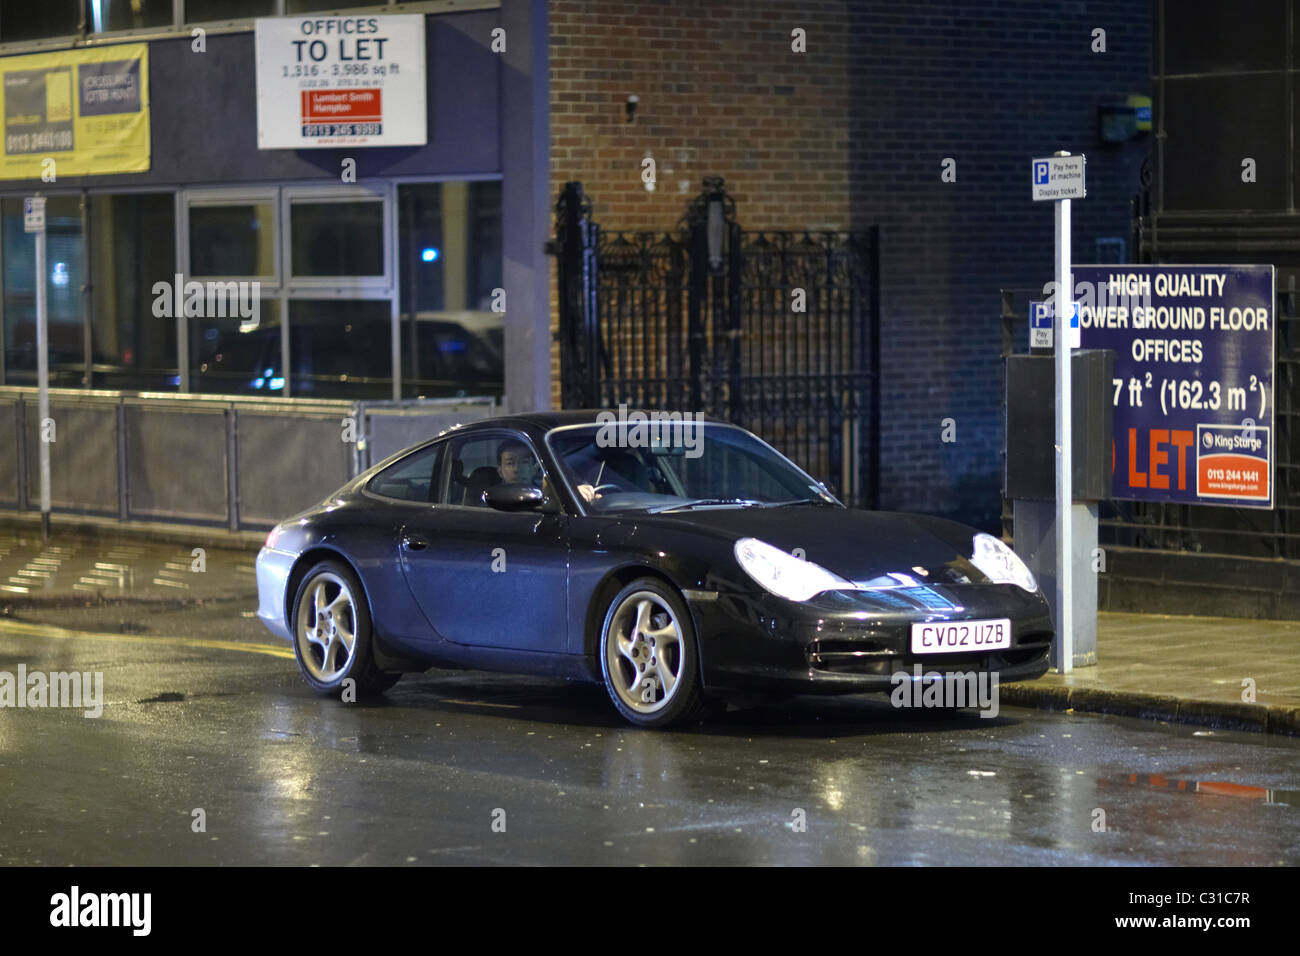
(206, 459)
(286, 462)
(176, 462)
(83, 455)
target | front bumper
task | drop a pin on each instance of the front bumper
(273, 569)
(848, 642)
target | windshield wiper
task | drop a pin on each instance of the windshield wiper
(704, 503)
(800, 501)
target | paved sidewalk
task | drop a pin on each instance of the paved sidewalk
(80, 569)
(1184, 670)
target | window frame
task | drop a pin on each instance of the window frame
(181, 25)
(580, 504)
(436, 480)
(503, 434)
(278, 287)
(339, 287)
(210, 198)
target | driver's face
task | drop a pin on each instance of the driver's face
(518, 466)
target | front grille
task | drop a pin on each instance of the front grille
(853, 657)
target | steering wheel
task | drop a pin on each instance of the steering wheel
(607, 485)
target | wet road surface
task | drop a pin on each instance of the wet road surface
(111, 568)
(204, 710)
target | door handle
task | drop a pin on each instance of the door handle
(414, 542)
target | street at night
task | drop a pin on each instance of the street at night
(218, 720)
(742, 436)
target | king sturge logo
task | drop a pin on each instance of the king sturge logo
(1215, 442)
(1233, 461)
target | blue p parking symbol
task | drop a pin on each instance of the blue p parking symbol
(1040, 174)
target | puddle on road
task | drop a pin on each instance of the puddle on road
(167, 697)
(1216, 788)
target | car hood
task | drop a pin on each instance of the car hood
(869, 548)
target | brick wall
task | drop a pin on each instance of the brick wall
(853, 132)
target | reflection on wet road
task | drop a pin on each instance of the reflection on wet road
(114, 568)
(467, 768)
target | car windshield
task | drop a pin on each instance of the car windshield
(678, 466)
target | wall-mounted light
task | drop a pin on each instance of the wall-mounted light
(1122, 120)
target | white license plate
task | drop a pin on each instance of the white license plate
(961, 637)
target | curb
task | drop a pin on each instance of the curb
(82, 526)
(1220, 715)
(56, 601)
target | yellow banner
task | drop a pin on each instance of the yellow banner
(75, 113)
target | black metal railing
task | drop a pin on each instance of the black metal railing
(777, 331)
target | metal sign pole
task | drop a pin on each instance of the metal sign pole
(1064, 646)
(34, 222)
(1059, 178)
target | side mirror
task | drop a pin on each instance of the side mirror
(514, 496)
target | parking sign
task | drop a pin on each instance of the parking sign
(1058, 177)
(34, 214)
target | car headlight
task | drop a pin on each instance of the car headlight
(782, 573)
(1000, 564)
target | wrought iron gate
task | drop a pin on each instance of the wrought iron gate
(775, 331)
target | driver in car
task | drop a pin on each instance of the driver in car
(619, 471)
(515, 463)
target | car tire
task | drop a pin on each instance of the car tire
(649, 657)
(330, 607)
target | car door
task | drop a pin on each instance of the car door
(485, 577)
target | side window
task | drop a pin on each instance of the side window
(412, 478)
(480, 461)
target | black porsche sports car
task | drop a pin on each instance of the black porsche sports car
(676, 566)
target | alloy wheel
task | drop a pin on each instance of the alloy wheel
(644, 652)
(327, 624)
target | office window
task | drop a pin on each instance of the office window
(340, 348)
(105, 15)
(449, 271)
(132, 248)
(312, 6)
(337, 238)
(37, 19)
(64, 278)
(233, 239)
(237, 356)
(202, 11)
